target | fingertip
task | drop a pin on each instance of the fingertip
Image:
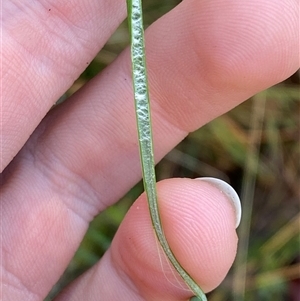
(199, 223)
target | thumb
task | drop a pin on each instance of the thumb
(199, 221)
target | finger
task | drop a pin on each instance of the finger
(199, 223)
(232, 54)
(184, 95)
(47, 45)
(69, 169)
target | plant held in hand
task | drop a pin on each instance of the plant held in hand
(142, 107)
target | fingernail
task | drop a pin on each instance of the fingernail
(230, 194)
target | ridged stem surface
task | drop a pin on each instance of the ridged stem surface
(142, 107)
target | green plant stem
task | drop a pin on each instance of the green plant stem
(142, 108)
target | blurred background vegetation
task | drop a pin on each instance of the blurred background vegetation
(255, 148)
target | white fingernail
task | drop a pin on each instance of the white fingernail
(230, 193)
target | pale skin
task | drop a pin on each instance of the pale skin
(204, 58)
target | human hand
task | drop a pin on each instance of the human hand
(204, 58)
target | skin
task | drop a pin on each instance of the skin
(204, 58)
